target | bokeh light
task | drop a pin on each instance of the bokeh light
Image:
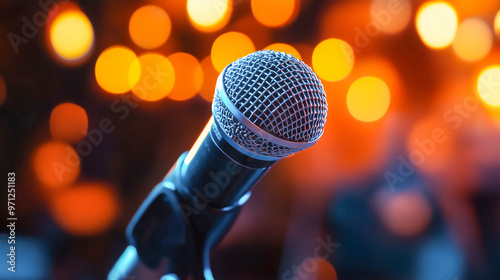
(368, 99)
(115, 70)
(85, 209)
(325, 270)
(280, 47)
(436, 24)
(333, 59)
(209, 79)
(497, 23)
(56, 164)
(391, 16)
(274, 13)
(189, 76)
(157, 77)
(467, 8)
(149, 27)
(3, 91)
(406, 213)
(71, 35)
(473, 40)
(488, 85)
(68, 122)
(228, 47)
(209, 15)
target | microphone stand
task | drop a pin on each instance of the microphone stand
(173, 223)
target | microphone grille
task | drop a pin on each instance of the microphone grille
(279, 94)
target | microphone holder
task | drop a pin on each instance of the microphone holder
(173, 223)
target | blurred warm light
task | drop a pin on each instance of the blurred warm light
(406, 213)
(71, 35)
(325, 270)
(368, 99)
(333, 59)
(430, 145)
(473, 40)
(209, 15)
(488, 85)
(188, 76)
(280, 47)
(336, 15)
(68, 122)
(228, 47)
(391, 16)
(467, 8)
(209, 79)
(436, 24)
(149, 27)
(497, 23)
(3, 91)
(85, 209)
(157, 77)
(274, 13)
(56, 164)
(115, 70)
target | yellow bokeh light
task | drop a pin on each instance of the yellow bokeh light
(391, 16)
(497, 23)
(209, 15)
(274, 13)
(71, 35)
(157, 77)
(473, 40)
(188, 76)
(149, 27)
(488, 85)
(436, 24)
(368, 99)
(115, 70)
(333, 59)
(280, 47)
(228, 47)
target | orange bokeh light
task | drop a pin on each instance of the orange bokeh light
(85, 209)
(56, 164)
(473, 40)
(209, 79)
(157, 77)
(189, 76)
(3, 91)
(68, 122)
(275, 13)
(149, 27)
(391, 16)
(228, 47)
(333, 59)
(115, 70)
(280, 47)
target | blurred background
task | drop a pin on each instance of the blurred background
(99, 98)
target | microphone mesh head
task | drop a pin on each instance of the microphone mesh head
(278, 93)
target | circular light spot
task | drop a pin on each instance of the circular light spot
(3, 91)
(368, 99)
(333, 59)
(85, 209)
(274, 13)
(473, 40)
(228, 47)
(68, 122)
(209, 15)
(157, 77)
(209, 79)
(436, 24)
(391, 16)
(115, 70)
(189, 76)
(280, 47)
(56, 164)
(497, 23)
(149, 27)
(71, 35)
(488, 85)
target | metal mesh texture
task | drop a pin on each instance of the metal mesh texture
(278, 93)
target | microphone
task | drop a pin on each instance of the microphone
(267, 105)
